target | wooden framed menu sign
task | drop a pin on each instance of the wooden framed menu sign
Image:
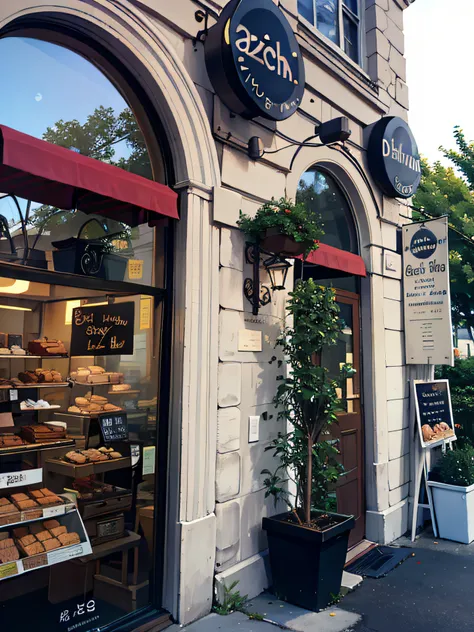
(114, 426)
(434, 412)
(103, 330)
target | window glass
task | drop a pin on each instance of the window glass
(320, 192)
(327, 19)
(351, 38)
(306, 9)
(352, 5)
(58, 96)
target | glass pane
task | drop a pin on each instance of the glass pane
(352, 5)
(306, 10)
(351, 39)
(320, 192)
(109, 522)
(327, 19)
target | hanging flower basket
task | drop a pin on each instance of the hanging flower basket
(284, 228)
(275, 241)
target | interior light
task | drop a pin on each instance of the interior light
(70, 306)
(13, 286)
(17, 309)
(95, 304)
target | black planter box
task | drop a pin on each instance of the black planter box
(87, 257)
(307, 565)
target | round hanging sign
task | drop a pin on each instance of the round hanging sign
(254, 61)
(423, 244)
(393, 157)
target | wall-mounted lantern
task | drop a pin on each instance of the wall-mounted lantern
(277, 268)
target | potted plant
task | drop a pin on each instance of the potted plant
(308, 545)
(452, 487)
(282, 227)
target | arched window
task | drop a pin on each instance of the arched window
(321, 193)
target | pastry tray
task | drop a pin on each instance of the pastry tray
(73, 522)
(31, 447)
(42, 513)
(80, 471)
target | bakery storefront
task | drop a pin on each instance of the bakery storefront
(84, 348)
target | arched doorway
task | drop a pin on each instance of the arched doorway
(321, 192)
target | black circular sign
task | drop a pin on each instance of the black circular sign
(393, 158)
(423, 244)
(254, 61)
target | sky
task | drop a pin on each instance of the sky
(42, 83)
(439, 38)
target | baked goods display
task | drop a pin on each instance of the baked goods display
(96, 375)
(40, 376)
(92, 405)
(120, 388)
(43, 433)
(47, 347)
(81, 457)
(437, 432)
(11, 440)
(39, 537)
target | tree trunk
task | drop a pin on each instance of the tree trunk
(309, 481)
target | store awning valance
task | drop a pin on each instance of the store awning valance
(36, 170)
(335, 262)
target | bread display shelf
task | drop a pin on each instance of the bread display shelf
(24, 410)
(33, 515)
(129, 392)
(74, 523)
(80, 471)
(11, 356)
(35, 385)
(32, 447)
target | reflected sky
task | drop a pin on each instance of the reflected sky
(43, 83)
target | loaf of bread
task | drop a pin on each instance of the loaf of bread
(96, 370)
(34, 549)
(43, 535)
(120, 388)
(57, 531)
(68, 539)
(9, 555)
(26, 540)
(6, 543)
(51, 524)
(26, 504)
(51, 544)
(45, 347)
(98, 399)
(49, 500)
(19, 497)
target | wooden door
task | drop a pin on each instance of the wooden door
(350, 489)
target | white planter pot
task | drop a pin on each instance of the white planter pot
(454, 510)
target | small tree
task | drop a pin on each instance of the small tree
(308, 397)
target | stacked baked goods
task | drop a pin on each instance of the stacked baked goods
(437, 432)
(92, 405)
(96, 375)
(40, 376)
(41, 537)
(81, 457)
(11, 440)
(47, 347)
(43, 433)
(120, 388)
(29, 500)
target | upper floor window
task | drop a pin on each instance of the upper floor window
(338, 20)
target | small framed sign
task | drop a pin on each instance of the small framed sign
(114, 426)
(434, 412)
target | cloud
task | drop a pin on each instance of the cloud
(38, 97)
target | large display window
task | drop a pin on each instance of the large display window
(79, 380)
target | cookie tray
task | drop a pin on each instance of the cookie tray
(80, 471)
(74, 523)
(43, 513)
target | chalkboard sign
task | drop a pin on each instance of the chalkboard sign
(434, 413)
(114, 426)
(103, 330)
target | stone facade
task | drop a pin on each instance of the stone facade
(216, 498)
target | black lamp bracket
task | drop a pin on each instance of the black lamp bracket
(202, 15)
(258, 295)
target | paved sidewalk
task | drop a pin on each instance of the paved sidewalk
(276, 615)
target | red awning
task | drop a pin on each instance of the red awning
(333, 259)
(48, 174)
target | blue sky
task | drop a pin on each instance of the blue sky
(438, 48)
(42, 83)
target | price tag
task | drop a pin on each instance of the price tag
(8, 570)
(135, 269)
(18, 479)
(62, 555)
(49, 512)
(13, 395)
(114, 426)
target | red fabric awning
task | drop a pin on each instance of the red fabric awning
(339, 260)
(48, 174)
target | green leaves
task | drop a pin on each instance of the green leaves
(456, 467)
(293, 220)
